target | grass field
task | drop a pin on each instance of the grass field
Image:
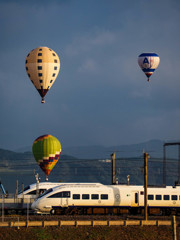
(90, 233)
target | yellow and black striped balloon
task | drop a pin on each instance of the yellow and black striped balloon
(42, 66)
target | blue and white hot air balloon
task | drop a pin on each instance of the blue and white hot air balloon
(148, 62)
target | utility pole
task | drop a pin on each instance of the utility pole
(174, 228)
(37, 184)
(17, 187)
(113, 167)
(164, 161)
(146, 156)
(164, 166)
(179, 166)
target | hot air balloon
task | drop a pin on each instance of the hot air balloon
(46, 150)
(42, 66)
(148, 62)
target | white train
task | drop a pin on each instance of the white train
(88, 198)
(32, 190)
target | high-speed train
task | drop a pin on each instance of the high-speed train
(31, 190)
(92, 198)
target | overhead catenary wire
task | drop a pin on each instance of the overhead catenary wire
(157, 160)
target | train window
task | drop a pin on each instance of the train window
(136, 197)
(85, 196)
(76, 196)
(158, 197)
(46, 192)
(174, 197)
(65, 194)
(104, 196)
(32, 192)
(94, 196)
(166, 197)
(42, 190)
(25, 189)
(56, 195)
(150, 197)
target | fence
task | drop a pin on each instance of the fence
(93, 223)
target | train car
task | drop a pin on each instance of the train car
(31, 191)
(21, 202)
(97, 198)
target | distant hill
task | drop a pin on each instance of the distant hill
(91, 164)
(132, 150)
(153, 147)
(24, 149)
(24, 158)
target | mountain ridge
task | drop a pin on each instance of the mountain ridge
(91, 164)
(99, 151)
(153, 147)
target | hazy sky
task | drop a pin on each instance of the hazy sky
(100, 95)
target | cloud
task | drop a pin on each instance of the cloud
(89, 42)
(101, 94)
(89, 66)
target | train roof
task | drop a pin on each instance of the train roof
(61, 184)
(45, 184)
(99, 185)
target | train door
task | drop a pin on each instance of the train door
(64, 198)
(134, 199)
(116, 194)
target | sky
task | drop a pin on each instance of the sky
(101, 96)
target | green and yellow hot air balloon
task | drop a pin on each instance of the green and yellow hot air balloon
(46, 150)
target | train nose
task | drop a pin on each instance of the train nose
(34, 205)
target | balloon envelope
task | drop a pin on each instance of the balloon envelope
(46, 150)
(42, 66)
(148, 62)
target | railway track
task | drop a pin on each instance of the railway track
(85, 217)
